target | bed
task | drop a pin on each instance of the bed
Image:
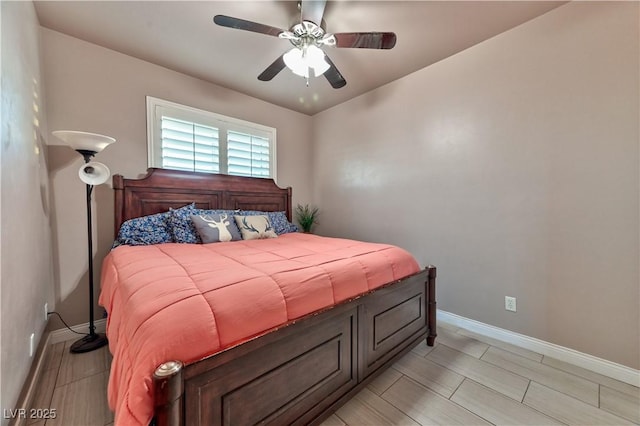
(295, 370)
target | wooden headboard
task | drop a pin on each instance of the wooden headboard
(161, 189)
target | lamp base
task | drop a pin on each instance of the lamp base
(89, 343)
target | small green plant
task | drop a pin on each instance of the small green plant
(306, 216)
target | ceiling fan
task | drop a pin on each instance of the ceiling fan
(308, 38)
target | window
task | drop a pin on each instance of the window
(185, 138)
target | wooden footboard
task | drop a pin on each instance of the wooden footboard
(301, 373)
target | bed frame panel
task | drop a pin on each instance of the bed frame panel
(320, 355)
(299, 373)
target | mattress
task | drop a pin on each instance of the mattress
(188, 301)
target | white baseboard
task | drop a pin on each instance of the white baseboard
(580, 359)
(64, 334)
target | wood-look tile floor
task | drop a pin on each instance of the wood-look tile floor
(465, 379)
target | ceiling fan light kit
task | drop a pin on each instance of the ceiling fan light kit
(308, 39)
(300, 59)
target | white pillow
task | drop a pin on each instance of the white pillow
(255, 227)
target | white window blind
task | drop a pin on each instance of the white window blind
(247, 155)
(186, 138)
(189, 146)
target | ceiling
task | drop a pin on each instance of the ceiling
(181, 35)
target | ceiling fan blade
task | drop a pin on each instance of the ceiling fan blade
(312, 10)
(241, 24)
(372, 40)
(273, 69)
(333, 75)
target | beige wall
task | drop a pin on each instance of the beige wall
(513, 167)
(26, 282)
(94, 89)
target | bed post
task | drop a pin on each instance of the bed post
(118, 188)
(289, 212)
(431, 307)
(168, 394)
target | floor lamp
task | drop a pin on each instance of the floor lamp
(91, 173)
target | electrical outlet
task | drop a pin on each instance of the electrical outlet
(510, 303)
(46, 312)
(32, 342)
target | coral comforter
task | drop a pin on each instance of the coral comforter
(188, 301)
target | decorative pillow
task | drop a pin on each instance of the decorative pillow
(214, 228)
(145, 230)
(279, 221)
(255, 227)
(182, 227)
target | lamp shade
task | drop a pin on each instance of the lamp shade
(84, 141)
(300, 59)
(293, 60)
(315, 59)
(94, 173)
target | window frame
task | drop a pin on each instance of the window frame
(155, 107)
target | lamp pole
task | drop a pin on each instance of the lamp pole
(93, 340)
(91, 173)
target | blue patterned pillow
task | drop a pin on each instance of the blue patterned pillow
(141, 231)
(278, 221)
(183, 229)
